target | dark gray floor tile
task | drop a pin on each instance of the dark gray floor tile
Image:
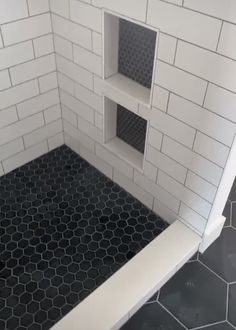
(220, 326)
(227, 214)
(221, 255)
(232, 195)
(233, 219)
(152, 317)
(195, 296)
(232, 304)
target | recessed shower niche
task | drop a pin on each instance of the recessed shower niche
(124, 133)
(129, 57)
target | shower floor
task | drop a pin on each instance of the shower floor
(64, 229)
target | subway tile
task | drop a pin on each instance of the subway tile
(43, 133)
(8, 116)
(33, 69)
(90, 130)
(48, 82)
(166, 164)
(52, 114)
(150, 171)
(183, 23)
(63, 47)
(89, 98)
(60, 7)
(97, 43)
(72, 143)
(4, 80)
(38, 7)
(16, 54)
(114, 161)
(221, 101)
(180, 82)
(72, 31)
(202, 119)
(18, 94)
(11, 148)
(75, 72)
(176, 2)
(77, 137)
(81, 11)
(43, 45)
(166, 48)
(125, 8)
(201, 187)
(192, 161)
(25, 156)
(211, 149)
(227, 40)
(158, 192)
(172, 127)
(97, 162)
(192, 218)
(98, 85)
(1, 43)
(28, 28)
(154, 138)
(164, 212)
(207, 65)
(160, 98)
(225, 10)
(11, 10)
(88, 60)
(69, 115)
(56, 141)
(1, 169)
(181, 192)
(81, 109)
(98, 120)
(20, 128)
(66, 84)
(37, 104)
(132, 188)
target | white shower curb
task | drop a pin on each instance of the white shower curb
(115, 301)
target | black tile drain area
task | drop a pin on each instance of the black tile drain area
(64, 229)
(131, 128)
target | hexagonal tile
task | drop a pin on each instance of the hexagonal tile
(220, 326)
(152, 316)
(225, 247)
(63, 232)
(232, 304)
(195, 296)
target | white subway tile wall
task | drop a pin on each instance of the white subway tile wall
(30, 110)
(191, 122)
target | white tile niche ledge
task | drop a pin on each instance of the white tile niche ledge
(125, 87)
(125, 152)
(115, 301)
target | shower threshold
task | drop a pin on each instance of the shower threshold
(78, 252)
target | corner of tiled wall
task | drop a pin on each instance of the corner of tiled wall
(192, 122)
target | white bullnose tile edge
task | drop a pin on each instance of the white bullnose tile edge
(114, 302)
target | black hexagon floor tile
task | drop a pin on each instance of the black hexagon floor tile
(195, 296)
(220, 326)
(221, 255)
(64, 229)
(152, 317)
(232, 304)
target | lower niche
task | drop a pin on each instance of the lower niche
(125, 133)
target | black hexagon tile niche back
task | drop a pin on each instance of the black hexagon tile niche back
(64, 229)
